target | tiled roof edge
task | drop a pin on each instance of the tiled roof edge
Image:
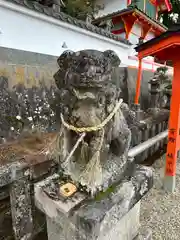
(32, 5)
(129, 9)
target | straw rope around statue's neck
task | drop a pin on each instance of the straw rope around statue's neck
(92, 128)
(94, 162)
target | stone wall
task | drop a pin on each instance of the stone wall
(26, 91)
(126, 78)
(30, 69)
(27, 68)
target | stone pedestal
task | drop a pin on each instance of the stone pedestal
(20, 199)
(110, 215)
(126, 228)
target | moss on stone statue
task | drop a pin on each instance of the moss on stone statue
(101, 195)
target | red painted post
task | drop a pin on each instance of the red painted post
(128, 2)
(174, 130)
(138, 83)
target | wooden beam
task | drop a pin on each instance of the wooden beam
(118, 31)
(169, 5)
(129, 21)
(159, 46)
(144, 30)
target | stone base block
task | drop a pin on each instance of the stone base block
(125, 229)
(108, 216)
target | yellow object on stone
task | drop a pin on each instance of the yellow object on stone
(68, 189)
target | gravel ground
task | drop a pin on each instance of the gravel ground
(160, 211)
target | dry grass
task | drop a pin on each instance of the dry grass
(26, 147)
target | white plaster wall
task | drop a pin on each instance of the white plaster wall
(34, 32)
(133, 39)
(150, 35)
(137, 29)
(22, 31)
(111, 6)
(136, 33)
(145, 65)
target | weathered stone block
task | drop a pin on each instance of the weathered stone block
(127, 228)
(21, 209)
(113, 216)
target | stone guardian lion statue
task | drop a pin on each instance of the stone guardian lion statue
(94, 140)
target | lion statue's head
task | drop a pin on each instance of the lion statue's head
(86, 68)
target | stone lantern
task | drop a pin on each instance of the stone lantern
(155, 90)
